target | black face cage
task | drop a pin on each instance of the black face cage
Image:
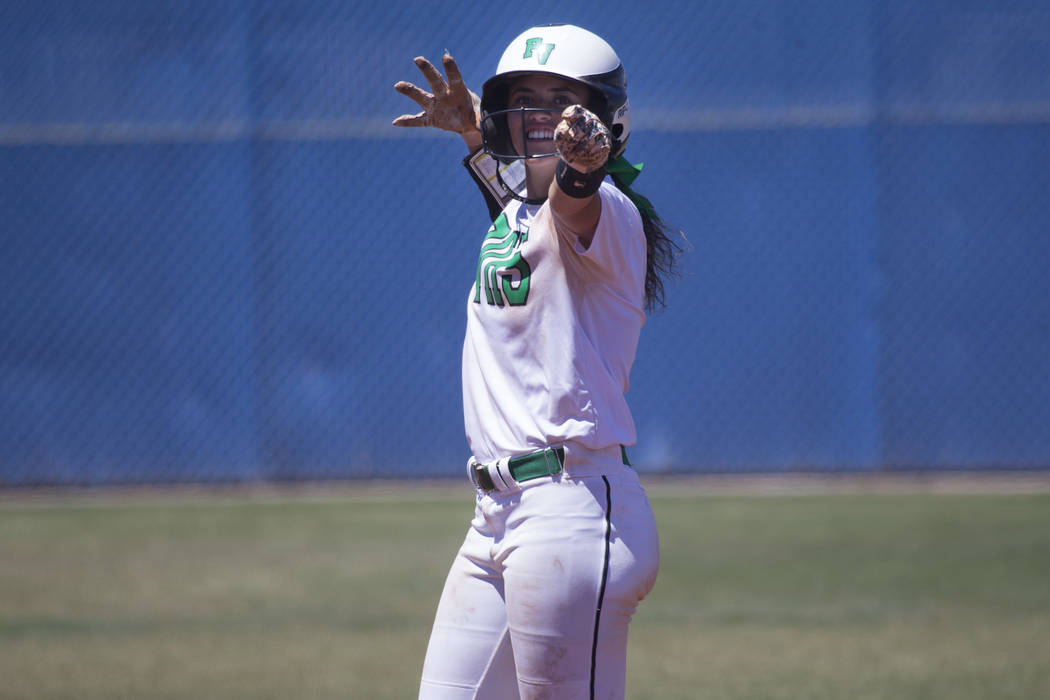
(497, 142)
(496, 137)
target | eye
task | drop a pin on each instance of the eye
(521, 101)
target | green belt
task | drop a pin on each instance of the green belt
(547, 462)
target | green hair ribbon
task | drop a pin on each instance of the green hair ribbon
(624, 174)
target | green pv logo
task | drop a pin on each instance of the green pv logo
(502, 271)
(536, 47)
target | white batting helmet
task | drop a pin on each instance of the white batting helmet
(569, 52)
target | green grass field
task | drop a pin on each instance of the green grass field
(858, 596)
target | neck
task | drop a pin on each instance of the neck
(539, 174)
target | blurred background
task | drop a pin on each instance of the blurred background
(220, 263)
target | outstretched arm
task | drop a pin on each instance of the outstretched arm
(582, 142)
(452, 107)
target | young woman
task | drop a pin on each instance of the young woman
(563, 545)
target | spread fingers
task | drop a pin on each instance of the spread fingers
(437, 83)
(412, 120)
(455, 78)
(421, 97)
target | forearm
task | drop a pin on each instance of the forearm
(572, 213)
(582, 143)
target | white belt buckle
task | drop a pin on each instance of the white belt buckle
(498, 471)
(502, 478)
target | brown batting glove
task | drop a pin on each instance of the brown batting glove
(581, 140)
(451, 107)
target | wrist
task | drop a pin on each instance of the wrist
(575, 183)
(473, 140)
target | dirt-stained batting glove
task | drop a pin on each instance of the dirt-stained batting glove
(451, 106)
(582, 141)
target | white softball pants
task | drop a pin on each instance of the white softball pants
(540, 595)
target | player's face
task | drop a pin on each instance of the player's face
(539, 91)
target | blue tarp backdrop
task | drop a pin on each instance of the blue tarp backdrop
(218, 260)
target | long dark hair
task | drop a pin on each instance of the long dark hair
(661, 246)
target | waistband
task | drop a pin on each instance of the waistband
(509, 473)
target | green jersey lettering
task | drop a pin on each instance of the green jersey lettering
(502, 271)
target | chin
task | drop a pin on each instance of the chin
(540, 174)
(538, 165)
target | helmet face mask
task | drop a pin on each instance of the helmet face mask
(582, 59)
(509, 127)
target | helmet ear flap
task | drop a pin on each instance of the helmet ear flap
(495, 133)
(620, 129)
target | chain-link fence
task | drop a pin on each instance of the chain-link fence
(219, 262)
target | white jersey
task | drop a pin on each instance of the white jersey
(552, 330)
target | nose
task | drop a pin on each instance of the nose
(541, 117)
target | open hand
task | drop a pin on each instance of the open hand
(451, 106)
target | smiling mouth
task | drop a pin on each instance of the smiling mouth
(541, 134)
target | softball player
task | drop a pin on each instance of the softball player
(563, 544)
